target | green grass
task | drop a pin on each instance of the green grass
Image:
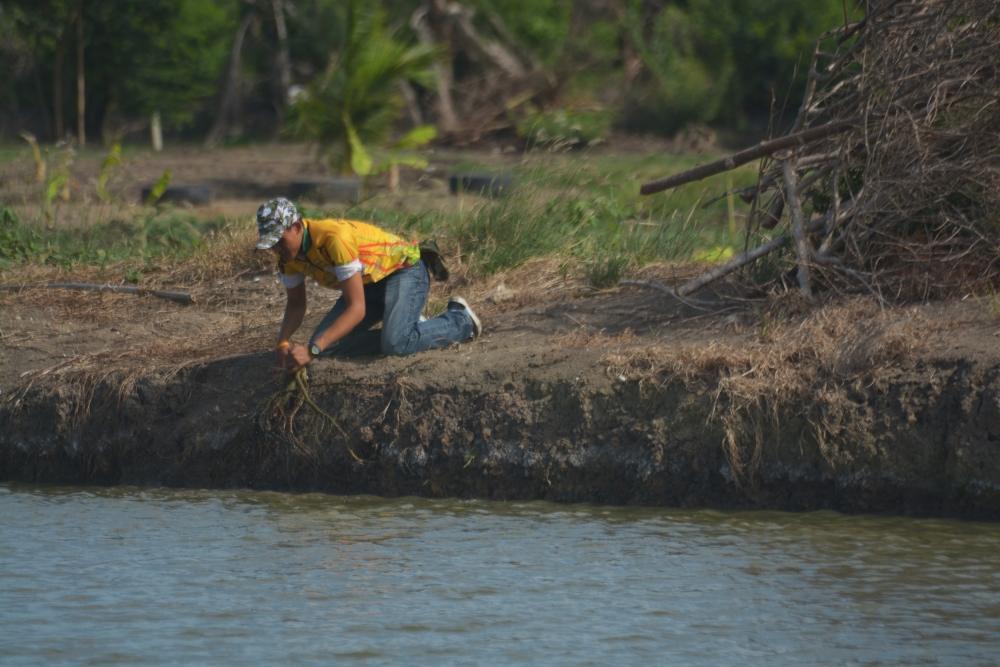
(141, 241)
(587, 210)
(12, 152)
(583, 208)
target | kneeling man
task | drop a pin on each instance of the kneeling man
(381, 278)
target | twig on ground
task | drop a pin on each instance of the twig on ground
(179, 297)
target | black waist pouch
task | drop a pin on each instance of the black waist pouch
(431, 257)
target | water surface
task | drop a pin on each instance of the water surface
(164, 577)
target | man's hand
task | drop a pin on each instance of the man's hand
(284, 357)
(299, 356)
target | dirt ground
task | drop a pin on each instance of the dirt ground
(237, 314)
(46, 331)
(56, 331)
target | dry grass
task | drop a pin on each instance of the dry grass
(797, 358)
(231, 255)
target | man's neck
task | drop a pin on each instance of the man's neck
(306, 241)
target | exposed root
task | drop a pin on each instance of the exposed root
(285, 405)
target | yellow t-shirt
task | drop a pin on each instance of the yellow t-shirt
(336, 249)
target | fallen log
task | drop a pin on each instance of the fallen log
(745, 258)
(730, 266)
(178, 297)
(748, 155)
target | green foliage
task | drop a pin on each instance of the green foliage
(721, 60)
(584, 212)
(541, 26)
(160, 187)
(680, 87)
(356, 101)
(109, 165)
(564, 127)
(36, 153)
(173, 52)
(170, 235)
(140, 56)
(138, 241)
(703, 61)
(417, 137)
(402, 152)
(132, 275)
(768, 44)
(17, 242)
(54, 181)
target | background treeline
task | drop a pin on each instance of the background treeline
(231, 70)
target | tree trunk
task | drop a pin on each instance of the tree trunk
(392, 177)
(442, 70)
(231, 87)
(282, 60)
(42, 103)
(802, 249)
(57, 102)
(81, 84)
(412, 105)
(489, 50)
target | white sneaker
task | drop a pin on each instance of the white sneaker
(459, 302)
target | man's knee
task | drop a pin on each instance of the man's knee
(396, 346)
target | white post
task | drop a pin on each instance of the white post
(156, 130)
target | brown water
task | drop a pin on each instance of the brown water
(161, 577)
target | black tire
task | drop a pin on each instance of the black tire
(329, 189)
(490, 185)
(198, 195)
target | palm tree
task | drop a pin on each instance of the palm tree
(357, 99)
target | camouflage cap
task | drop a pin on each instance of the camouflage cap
(273, 218)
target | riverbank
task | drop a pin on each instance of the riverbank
(581, 389)
(622, 396)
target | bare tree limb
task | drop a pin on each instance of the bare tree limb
(179, 297)
(442, 71)
(802, 249)
(228, 102)
(736, 159)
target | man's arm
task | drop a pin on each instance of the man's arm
(295, 310)
(353, 292)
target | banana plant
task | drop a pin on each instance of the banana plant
(349, 111)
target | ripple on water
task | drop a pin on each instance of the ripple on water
(126, 576)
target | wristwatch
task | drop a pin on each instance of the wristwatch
(314, 350)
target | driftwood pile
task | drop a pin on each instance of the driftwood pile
(889, 180)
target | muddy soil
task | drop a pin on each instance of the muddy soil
(574, 397)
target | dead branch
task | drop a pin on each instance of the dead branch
(179, 297)
(798, 228)
(735, 160)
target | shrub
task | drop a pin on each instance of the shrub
(564, 128)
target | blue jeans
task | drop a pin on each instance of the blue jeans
(397, 301)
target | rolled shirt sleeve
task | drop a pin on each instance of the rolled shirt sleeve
(345, 271)
(291, 280)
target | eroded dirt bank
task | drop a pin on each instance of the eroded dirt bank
(560, 403)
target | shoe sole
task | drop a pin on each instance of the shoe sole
(477, 326)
